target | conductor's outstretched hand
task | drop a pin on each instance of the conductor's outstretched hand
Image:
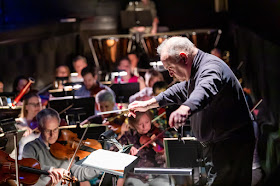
(141, 106)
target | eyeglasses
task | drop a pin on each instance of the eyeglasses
(35, 104)
(47, 131)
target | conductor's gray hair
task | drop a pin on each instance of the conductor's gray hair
(105, 95)
(174, 46)
(45, 114)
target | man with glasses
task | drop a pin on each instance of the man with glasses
(210, 94)
(48, 125)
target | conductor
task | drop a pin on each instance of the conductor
(211, 96)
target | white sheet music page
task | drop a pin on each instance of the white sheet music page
(109, 160)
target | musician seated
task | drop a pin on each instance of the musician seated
(62, 75)
(125, 65)
(106, 102)
(91, 85)
(79, 63)
(159, 87)
(27, 120)
(151, 77)
(18, 84)
(141, 127)
(144, 5)
(48, 125)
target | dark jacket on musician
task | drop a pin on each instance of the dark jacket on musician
(219, 110)
(220, 119)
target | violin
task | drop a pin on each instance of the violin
(115, 122)
(67, 143)
(154, 138)
(29, 169)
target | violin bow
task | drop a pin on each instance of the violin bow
(74, 155)
(256, 106)
(112, 111)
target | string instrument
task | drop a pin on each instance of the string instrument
(95, 90)
(115, 122)
(68, 142)
(23, 91)
(29, 170)
(154, 138)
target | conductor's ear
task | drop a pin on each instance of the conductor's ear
(184, 57)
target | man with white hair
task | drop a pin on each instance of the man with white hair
(39, 149)
(211, 96)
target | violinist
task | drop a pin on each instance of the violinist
(106, 102)
(48, 123)
(91, 85)
(141, 126)
(27, 120)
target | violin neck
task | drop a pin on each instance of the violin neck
(33, 170)
(86, 148)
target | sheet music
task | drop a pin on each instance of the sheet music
(109, 161)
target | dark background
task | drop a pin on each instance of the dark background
(33, 40)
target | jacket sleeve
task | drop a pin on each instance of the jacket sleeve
(208, 84)
(84, 173)
(176, 94)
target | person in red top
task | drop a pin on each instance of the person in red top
(125, 65)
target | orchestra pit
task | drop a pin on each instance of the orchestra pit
(139, 93)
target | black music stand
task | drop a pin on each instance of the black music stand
(124, 91)
(77, 108)
(185, 155)
(131, 19)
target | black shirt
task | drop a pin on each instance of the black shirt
(219, 110)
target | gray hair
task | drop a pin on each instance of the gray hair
(46, 114)
(174, 45)
(105, 95)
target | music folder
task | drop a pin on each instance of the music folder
(111, 162)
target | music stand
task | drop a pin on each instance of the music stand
(131, 19)
(124, 91)
(74, 105)
(185, 155)
(10, 132)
